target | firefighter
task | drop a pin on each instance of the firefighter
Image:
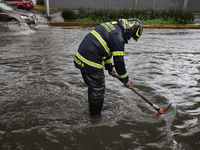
(95, 51)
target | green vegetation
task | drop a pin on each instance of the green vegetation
(146, 16)
(39, 6)
(40, 2)
(68, 14)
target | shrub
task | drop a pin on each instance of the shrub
(68, 14)
(103, 15)
(40, 2)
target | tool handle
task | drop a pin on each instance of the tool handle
(144, 98)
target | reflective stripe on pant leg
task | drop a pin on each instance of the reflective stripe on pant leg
(96, 90)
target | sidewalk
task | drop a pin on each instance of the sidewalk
(57, 20)
(197, 17)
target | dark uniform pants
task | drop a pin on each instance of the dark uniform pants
(96, 90)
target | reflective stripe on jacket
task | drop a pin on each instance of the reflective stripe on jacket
(97, 48)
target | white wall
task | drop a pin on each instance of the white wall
(159, 4)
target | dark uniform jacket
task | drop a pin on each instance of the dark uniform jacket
(97, 48)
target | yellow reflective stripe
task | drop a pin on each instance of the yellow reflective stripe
(90, 63)
(118, 53)
(101, 40)
(123, 76)
(131, 24)
(114, 22)
(128, 22)
(137, 32)
(108, 61)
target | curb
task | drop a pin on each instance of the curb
(94, 24)
(83, 24)
(173, 26)
(44, 9)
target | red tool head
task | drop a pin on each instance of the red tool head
(161, 111)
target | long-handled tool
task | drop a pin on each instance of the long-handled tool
(158, 109)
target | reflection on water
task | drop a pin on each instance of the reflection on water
(43, 99)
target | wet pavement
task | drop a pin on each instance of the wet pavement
(43, 99)
(56, 17)
(197, 17)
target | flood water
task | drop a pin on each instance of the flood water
(43, 99)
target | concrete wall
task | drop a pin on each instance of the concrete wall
(161, 4)
(193, 5)
(92, 3)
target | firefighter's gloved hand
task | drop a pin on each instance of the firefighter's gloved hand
(112, 73)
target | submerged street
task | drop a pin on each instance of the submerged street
(43, 99)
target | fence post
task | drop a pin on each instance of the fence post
(185, 4)
(153, 7)
(136, 3)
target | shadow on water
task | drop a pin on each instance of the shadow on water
(43, 99)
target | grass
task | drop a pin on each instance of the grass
(154, 21)
(159, 21)
(39, 6)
